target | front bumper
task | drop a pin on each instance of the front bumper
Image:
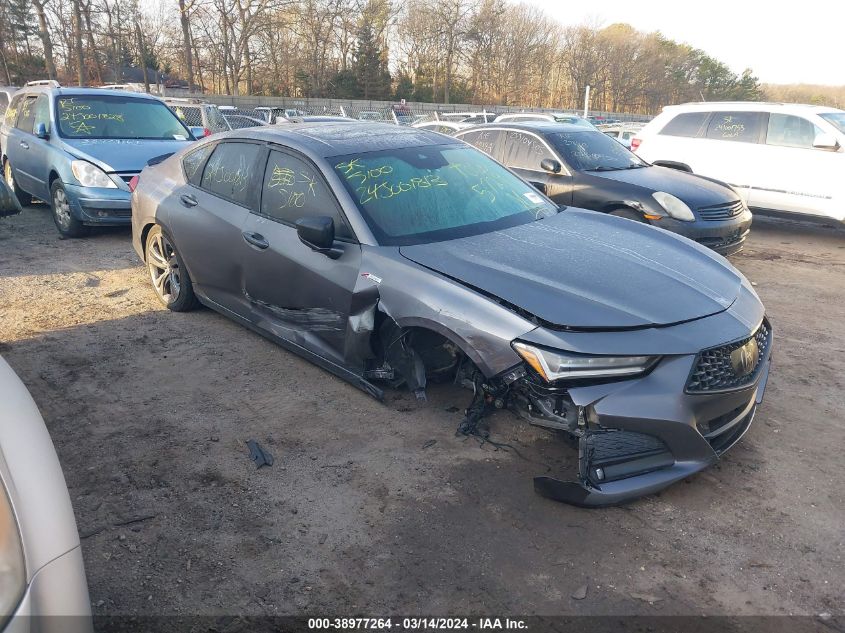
(96, 205)
(56, 600)
(648, 433)
(726, 237)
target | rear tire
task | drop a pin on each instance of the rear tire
(629, 214)
(170, 278)
(67, 225)
(23, 197)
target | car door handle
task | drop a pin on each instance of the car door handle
(256, 239)
(188, 200)
(24, 144)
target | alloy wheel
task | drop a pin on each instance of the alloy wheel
(7, 173)
(164, 268)
(61, 208)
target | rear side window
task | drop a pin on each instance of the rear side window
(193, 161)
(524, 151)
(791, 131)
(12, 112)
(229, 171)
(685, 124)
(293, 189)
(190, 115)
(485, 140)
(215, 120)
(743, 127)
(26, 118)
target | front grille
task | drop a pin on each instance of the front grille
(714, 371)
(721, 211)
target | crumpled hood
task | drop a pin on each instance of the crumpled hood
(121, 155)
(694, 190)
(588, 270)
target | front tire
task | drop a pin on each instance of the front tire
(23, 197)
(168, 274)
(67, 225)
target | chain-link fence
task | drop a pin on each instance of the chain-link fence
(268, 108)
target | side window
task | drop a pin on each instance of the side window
(485, 140)
(294, 189)
(42, 112)
(12, 111)
(4, 102)
(524, 151)
(228, 173)
(790, 131)
(743, 127)
(685, 124)
(27, 115)
(190, 115)
(193, 161)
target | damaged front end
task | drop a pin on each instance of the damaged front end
(637, 427)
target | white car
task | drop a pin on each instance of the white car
(41, 569)
(780, 157)
(444, 127)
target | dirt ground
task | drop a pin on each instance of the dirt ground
(361, 513)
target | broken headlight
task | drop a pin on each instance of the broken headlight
(12, 570)
(557, 364)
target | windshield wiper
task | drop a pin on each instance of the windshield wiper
(634, 166)
(604, 168)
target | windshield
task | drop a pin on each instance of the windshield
(836, 118)
(434, 193)
(117, 117)
(593, 151)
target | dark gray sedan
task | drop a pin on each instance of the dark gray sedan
(583, 167)
(391, 255)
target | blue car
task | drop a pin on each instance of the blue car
(79, 148)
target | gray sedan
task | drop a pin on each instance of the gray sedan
(395, 256)
(42, 578)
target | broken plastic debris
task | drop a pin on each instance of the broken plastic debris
(258, 454)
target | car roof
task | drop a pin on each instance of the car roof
(533, 126)
(83, 91)
(338, 138)
(754, 106)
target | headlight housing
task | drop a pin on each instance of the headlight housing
(675, 207)
(90, 175)
(558, 364)
(12, 566)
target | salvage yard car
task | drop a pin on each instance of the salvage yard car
(398, 255)
(588, 169)
(782, 157)
(42, 576)
(78, 148)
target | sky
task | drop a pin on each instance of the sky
(782, 42)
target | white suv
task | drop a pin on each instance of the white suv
(780, 157)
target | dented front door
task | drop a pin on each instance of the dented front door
(296, 293)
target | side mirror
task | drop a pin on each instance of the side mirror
(550, 165)
(825, 141)
(317, 233)
(41, 131)
(9, 204)
(197, 131)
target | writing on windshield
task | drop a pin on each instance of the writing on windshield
(417, 194)
(116, 117)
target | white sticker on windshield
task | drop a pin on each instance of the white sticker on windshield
(180, 137)
(533, 197)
